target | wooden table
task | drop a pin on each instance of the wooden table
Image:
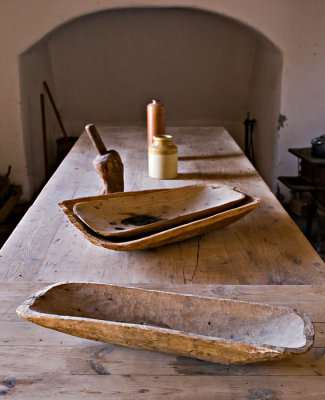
(262, 257)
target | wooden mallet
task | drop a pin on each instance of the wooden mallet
(108, 164)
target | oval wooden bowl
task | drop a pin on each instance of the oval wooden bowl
(218, 330)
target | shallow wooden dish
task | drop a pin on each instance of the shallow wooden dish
(146, 213)
(218, 330)
(172, 235)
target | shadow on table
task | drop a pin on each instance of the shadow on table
(208, 176)
(209, 157)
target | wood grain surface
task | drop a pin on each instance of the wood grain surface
(265, 247)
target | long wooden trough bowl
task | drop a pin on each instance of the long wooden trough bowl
(166, 236)
(217, 330)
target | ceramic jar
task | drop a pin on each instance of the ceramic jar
(162, 158)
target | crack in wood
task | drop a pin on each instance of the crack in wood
(184, 279)
(197, 257)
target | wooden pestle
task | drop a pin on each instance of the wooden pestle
(108, 164)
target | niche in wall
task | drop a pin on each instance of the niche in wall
(105, 67)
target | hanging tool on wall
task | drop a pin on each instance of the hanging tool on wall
(249, 142)
(56, 112)
(64, 144)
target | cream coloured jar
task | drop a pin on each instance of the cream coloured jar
(162, 158)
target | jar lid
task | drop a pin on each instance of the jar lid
(163, 138)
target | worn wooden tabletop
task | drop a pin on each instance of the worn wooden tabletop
(265, 247)
(264, 251)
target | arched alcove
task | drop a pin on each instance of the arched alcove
(206, 68)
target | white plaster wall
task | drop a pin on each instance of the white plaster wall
(109, 65)
(196, 62)
(295, 26)
(265, 95)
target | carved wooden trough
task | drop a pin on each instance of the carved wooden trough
(218, 330)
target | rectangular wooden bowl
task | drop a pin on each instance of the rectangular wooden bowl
(129, 217)
(219, 330)
(172, 235)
